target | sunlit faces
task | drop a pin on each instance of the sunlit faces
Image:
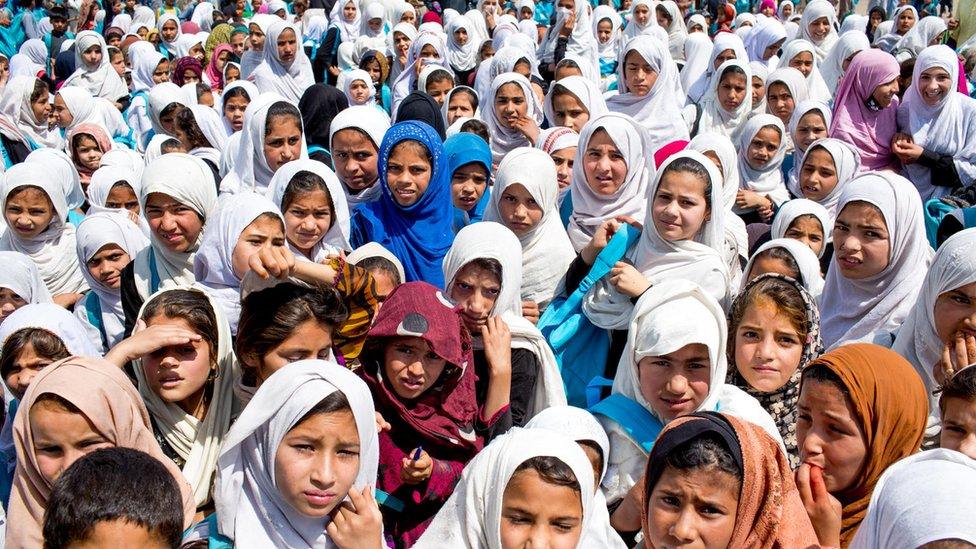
(411, 366)
(9, 302)
(538, 513)
(401, 43)
(732, 89)
(819, 29)
(475, 289)
(768, 347)
(639, 74)
(603, 164)
(282, 140)
(169, 31)
(161, 73)
(564, 160)
(118, 63)
(680, 208)
(787, 11)
(772, 49)
(375, 25)
(566, 69)
(642, 14)
(525, 13)
(173, 223)
(884, 93)
(266, 231)
(568, 110)
(604, 30)
(468, 185)
(692, 508)
(958, 426)
(256, 37)
(763, 146)
(861, 244)
(780, 101)
(676, 383)
(349, 11)
(461, 36)
(29, 211)
(829, 434)
(818, 176)
(309, 340)
(317, 461)
(810, 128)
(191, 76)
(933, 85)
(374, 70)
(178, 374)
(106, 265)
(355, 157)
(438, 88)
(308, 218)
(906, 20)
(510, 104)
(197, 51)
(758, 90)
(167, 118)
(722, 57)
(429, 52)
(519, 210)
(61, 437)
(234, 108)
(23, 369)
(287, 47)
(460, 105)
(955, 313)
(408, 172)
(803, 62)
(359, 92)
(87, 153)
(663, 17)
(808, 230)
(62, 113)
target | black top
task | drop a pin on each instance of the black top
(327, 56)
(525, 368)
(131, 300)
(16, 151)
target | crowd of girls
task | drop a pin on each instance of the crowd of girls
(505, 274)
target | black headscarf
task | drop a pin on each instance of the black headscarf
(422, 107)
(64, 65)
(690, 427)
(319, 105)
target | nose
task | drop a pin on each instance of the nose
(308, 223)
(812, 444)
(323, 476)
(416, 368)
(287, 154)
(169, 360)
(476, 304)
(683, 527)
(850, 243)
(764, 349)
(520, 212)
(25, 378)
(167, 221)
(677, 385)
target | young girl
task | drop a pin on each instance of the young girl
(24, 110)
(73, 106)
(273, 135)
(727, 105)
(787, 257)
(528, 487)
(427, 49)
(958, 394)
(802, 56)
(286, 70)
(316, 215)
(460, 102)
(165, 102)
(233, 103)
(188, 70)
(469, 166)
(809, 122)
(866, 108)
(106, 243)
(148, 69)
(462, 47)
(862, 408)
(785, 89)
(607, 26)
(79, 403)
(762, 145)
(116, 188)
(880, 258)
(818, 26)
(354, 141)
(890, 32)
(515, 115)
(202, 133)
(774, 331)
(827, 167)
(572, 102)
(806, 221)
(435, 81)
(378, 66)
(358, 87)
(764, 41)
(413, 216)
(725, 46)
(760, 74)
(20, 284)
(94, 71)
(88, 143)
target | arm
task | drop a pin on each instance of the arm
(358, 289)
(943, 168)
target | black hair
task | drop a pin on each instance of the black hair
(168, 110)
(202, 89)
(809, 217)
(823, 374)
(476, 127)
(191, 306)
(335, 402)
(486, 264)
(170, 145)
(439, 75)
(780, 254)
(40, 88)
(238, 91)
(694, 167)
(706, 452)
(472, 96)
(187, 123)
(46, 345)
(567, 62)
(111, 485)
(552, 470)
(305, 182)
(732, 69)
(282, 109)
(113, 51)
(962, 385)
(382, 264)
(659, 10)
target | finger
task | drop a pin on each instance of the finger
(946, 364)
(485, 332)
(961, 356)
(357, 501)
(818, 487)
(803, 483)
(140, 326)
(970, 349)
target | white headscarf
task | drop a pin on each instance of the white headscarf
(871, 309)
(250, 509)
(802, 109)
(185, 43)
(792, 209)
(161, 96)
(794, 82)
(677, 32)
(67, 175)
(700, 260)
(804, 257)
(170, 46)
(212, 127)
(203, 15)
(591, 209)
(87, 109)
(100, 81)
(54, 319)
(472, 516)
(922, 34)
(607, 51)
(53, 249)
(337, 238)
(546, 249)
(761, 72)
(714, 118)
(346, 80)
(581, 40)
(15, 106)
(463, 58)
(143, 67)
(921, 499)
(585, 91)
(142, 16)
(249, 88)
(101, 184)
(814, 10)
(768, 179)
(372, 123)
(406, 81)
(660, 110)
(887, 34)
(491, 240)
(348, 30)
(816, 86)
(272, 75)
(94, 232)
(503, 138)
(847, 163)
(832, 67)
(635, 29)
(698, 48)
(21, 277)
(410, 32)
(764, 35)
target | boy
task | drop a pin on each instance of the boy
(59, 33)
(957, 406)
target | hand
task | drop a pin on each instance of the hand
(746, 199)
(415, 472)
(530, 310)
(498, 346)
(953, 23)
(357, 523)
(825, 510)
(382, 424)
(627, 517)
(334, 70)
(490, 17)
(628, 280)
(901, 137)
(145, 340)
(906, 151)
(766, 213)
(956, 355)
(418, 65)
(67, 300)
(529, 128)
(568, 25)
(272, 262)
(600, 240)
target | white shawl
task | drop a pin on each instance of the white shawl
(816, 86)
(21, 277)
(814, 10)
(586, 92)
(802, 109)
(847, 163)
(832, 67)
(86, 109)
(767, 179)
(52, 318)
(372, 123)
(272, 75)
(100, 81)
(503, 138)
(15, 106)
(724, 41)
(337, 237)
(714, 118)
(792, 209)
(463, 57)
(804, 257)
(698, 50)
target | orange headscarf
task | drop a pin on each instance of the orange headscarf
(891, 405)
(113, 406)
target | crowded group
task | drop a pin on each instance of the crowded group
(381, 274)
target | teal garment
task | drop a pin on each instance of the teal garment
(637, 421)
(566, 209)
(608, 68)
(75, 218)
(215, 540)
(13, 36)
(9, 456)
(787, 165)
(387, 99)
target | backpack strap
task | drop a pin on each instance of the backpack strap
(93, 308)
(153, 273)
(636, 420)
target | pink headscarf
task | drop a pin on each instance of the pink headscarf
(771, 4)
(189, 27)
(869, 131)
(668, 150)
(216, 77)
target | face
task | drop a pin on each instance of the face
(819, 29)
(60, 25)
(519, 210)
(722, 57)
(106, 265)
(680, 208)
(190, 76)
(639, 74)
(568, 111)
(959, 426)
(409, 17)
(732, 91)
(810, 128)
(41, 109)
(401, 42)
(604, 30)
(772, 49)
(118, 63)
(287, 47)
(884, 93)
(408, 174)
(232, 75)
(169, 31)
(692, 508)
(256, 37)
(861, 244)
(763, 265)
(234, 111)
(438, 90)
(510, 104)
(92, 56)
(359, 92)
(64, 116)
(61, 438)
(25, 367)
(565, 71)
(818, 176)
(282, 141)
(309, 340)
(642, 14)
(933, 85)
(955, 313)
(87, 153)
(317, 462)
(429, 52)
(807, 229)
(178, 374)
(675, 384)
(468, 184)
(175, 225)
(461, 36)
(459, 106)
(536, 513)
(198, 52)
(308, 218)
(768, 347)
(106, 533)
(354, 157)
(906, 20)
(411, 366)
(475, 291)
(779, 101)
(604, 164)
(237, 42)
(161, 74)
(663, 20)
(758, 90)
(9, 302)
(265, 232)
(564, 160)
(875, 19)
(803, 62)
(763, 146)
(168, 119)
(349, 11)
(787, 10)
(829, 434)
(375, 71)
(29, 211)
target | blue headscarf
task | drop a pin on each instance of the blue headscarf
(418, 235)
(462, 149)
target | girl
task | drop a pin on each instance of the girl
(116, 188)
(24, 113)
(73, 106)
(880, 258)
(320, 104)
(273, 135)
(525, 200)
(561, 144)
(866, 108)
(214, 75)
(469, 166)
(929, 31)
(94, 71)
(403, 36)
(202, 133)
(808, 123)
(743, 474)
(650, 92)
(232, 72)
(762, 145)
(233, 104)
(861, 409)
(345, 23)
(727, 105)
(188, 70)
(314, 208)
(413, 215)
(641, 21)
(20, 284)
(904, 18)
(774, 332)
(354, 141)
(378, 67)
(460, 102)
(515, 116)
(760, 74)
(276, 496)
(427, 49)
(358, 87)
(81, 402)
(787, 257)
(106, 243)
(827, 167)
(35, 209)
(764, 41)
(801, 55)
(835, 64)
(785, 89)
(818, 26)
(572, 102)
(530, 486)
(462, 48)
(286, 69)
(186, 370)
(725, 46)
(670, 19)
(806, 221)
(937, 142)
(169, 32)
(607, 25)
(165, 102)
(88, 143)
(148, 69)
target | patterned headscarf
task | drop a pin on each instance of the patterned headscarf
(184, 63)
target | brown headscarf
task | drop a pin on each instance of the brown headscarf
(890, 402)
(113, 406)
(770, 513)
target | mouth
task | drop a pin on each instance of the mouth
(676, 404)
(171, 238)
(23, 230)
(317, 498)
(848, 262)
(765, 369)
(406, 194)
(110, 280)
(467, 202)
(520, 226)
(810, 189)
(169, 380)
(412, 385)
